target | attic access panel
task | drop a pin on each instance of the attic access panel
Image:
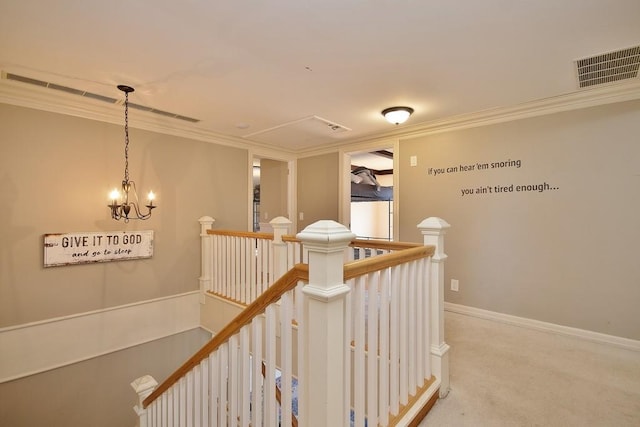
(303, 133)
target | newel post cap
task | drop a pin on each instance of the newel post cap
(206, 220)
(433, 223)
(326, 232)
(280, 220)
(144, 383)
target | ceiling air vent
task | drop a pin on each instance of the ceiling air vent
(29, 80)
(608, 67)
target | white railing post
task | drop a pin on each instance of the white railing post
(206, 269)
(280, 227)
(325, 402)
(143, 386)
(433, 230)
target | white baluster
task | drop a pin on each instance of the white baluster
(383, 389)
(223, 386)
(214, 381)
(204, 393)
(245, 377)
(270, 405)
(286, 341)
(197, 396)
(234, 379)
(412, 326)
(256, 392)
(302, 350)
(420, 326)
(394, 342)
(372, 346)
(359, 381)
(404, 339)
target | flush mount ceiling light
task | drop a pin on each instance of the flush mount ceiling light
(397, 115)
(126, 203)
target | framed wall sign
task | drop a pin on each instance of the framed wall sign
(82, 248)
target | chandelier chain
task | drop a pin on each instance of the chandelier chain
(126, 136)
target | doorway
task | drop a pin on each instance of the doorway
(371, 189)
(269, 192)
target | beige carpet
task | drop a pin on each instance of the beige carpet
(504, 375)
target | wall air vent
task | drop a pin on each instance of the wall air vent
(28, 80)
(608, 67)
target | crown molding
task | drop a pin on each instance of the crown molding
(22, 95)
(609, 94)
(19, 94)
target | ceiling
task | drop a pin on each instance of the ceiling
(302, 74)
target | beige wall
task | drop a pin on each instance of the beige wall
(95, 392)
(318, 188)
(567, 255)
(55, 175)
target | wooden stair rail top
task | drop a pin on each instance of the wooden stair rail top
(368, 244)
(358, 243)
(287, 282)
(361, 267)
(234, 233)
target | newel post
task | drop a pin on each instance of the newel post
(206, 269)
(324, 401)
(280, 227)
(143, 386)
(433, 230)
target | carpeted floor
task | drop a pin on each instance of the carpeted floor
(504, 375)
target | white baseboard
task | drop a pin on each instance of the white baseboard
(538, 325)
(40, 346)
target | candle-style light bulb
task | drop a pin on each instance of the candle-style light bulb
(151, 197)
(114, 195)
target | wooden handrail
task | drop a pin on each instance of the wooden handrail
(383, 244)
(234, 233)
(357, 243)
(361, 267)
(287, 282)
(369, 244)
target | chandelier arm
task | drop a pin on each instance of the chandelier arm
(139, 214)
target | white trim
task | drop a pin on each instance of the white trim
(584, 98)
(40, 346)
(25, 95)
(538, 325)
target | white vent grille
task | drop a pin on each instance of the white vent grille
(29, 80)
(609, 67)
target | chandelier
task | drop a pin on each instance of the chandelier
(125, 205)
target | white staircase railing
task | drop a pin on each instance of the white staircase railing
(347, 344)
